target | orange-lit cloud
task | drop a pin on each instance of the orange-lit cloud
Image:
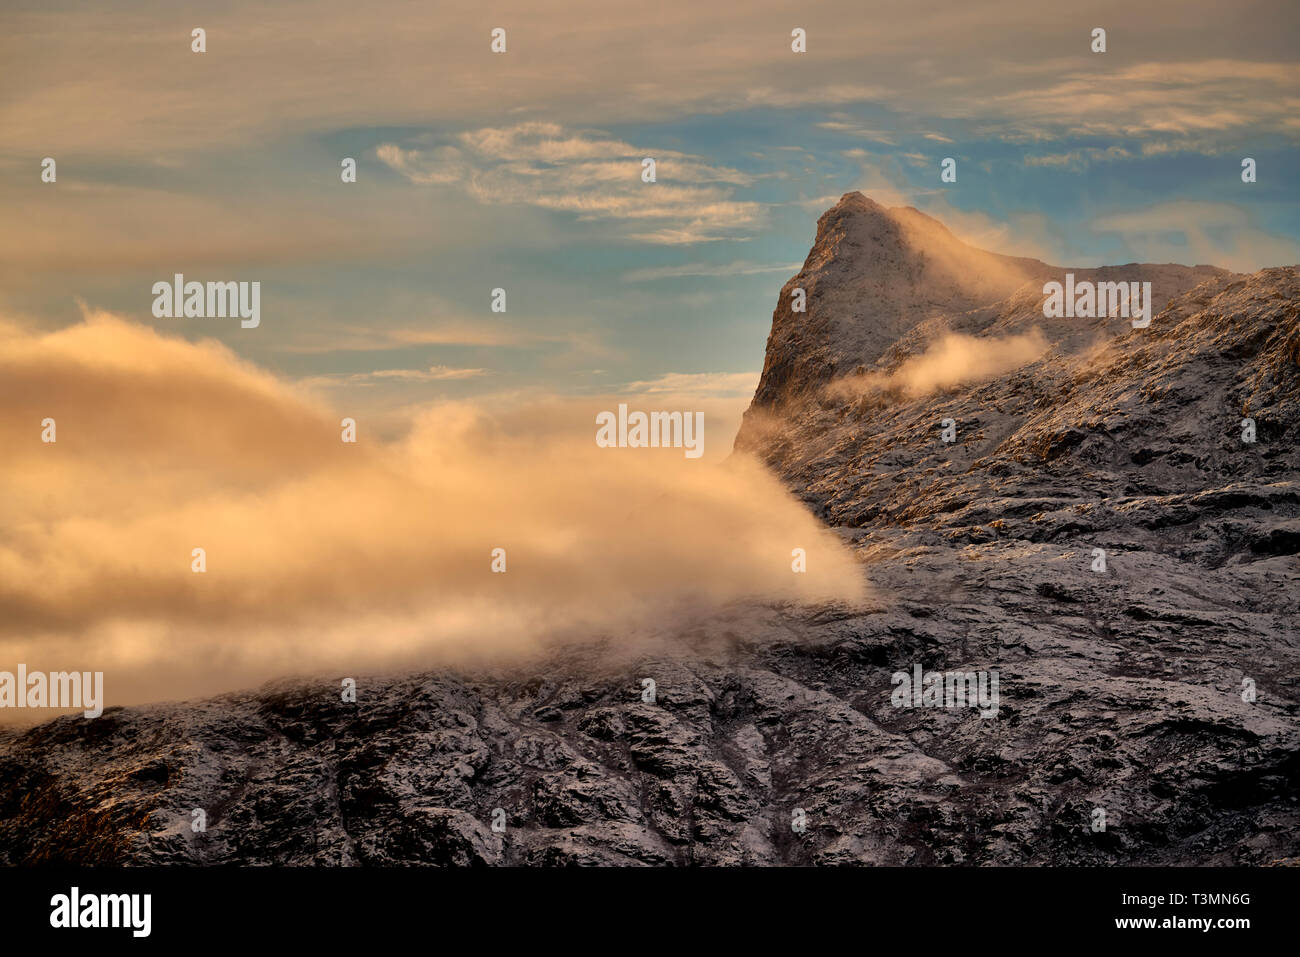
(955, 359)
(124, 80)
(327, 556)
(589, 175)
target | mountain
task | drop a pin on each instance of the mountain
(879, 278)
(1148, 708)
(1111, 427)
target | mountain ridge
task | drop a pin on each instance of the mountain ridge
(1155, 682)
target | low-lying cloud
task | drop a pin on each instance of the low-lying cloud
(953, 360)
(331, 557)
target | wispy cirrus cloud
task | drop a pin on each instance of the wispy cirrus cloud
(1194, 104)
(1081, 158)
(699, 384)
(431, 374)
(379, 336)
(439, 166)
(712, 270)
(846, 124)
(590, 175)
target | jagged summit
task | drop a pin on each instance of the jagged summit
(875, 274)
(857, 214)
(872, 273)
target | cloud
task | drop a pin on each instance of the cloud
(322, 337)
(1183, 231)
(953, 360)
(712, 270)
(1079, 159)
(819, 204)
(1031, 234)
(434, 372)
(589, 175)
(326, 557)
(699, 384)
(846, 124)
(1020, 234)
(98, 78)
(443, 165)
(431, 374)
(1203, 104)
(1195, 231)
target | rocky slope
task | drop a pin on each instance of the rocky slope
(1124, 691)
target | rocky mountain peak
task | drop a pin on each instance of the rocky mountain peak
(862, 231)
(880, 283)
(873, 273)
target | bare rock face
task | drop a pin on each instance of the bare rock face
(871, 276)
(877, 279)
(1157, 685)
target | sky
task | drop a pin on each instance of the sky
(520, 171)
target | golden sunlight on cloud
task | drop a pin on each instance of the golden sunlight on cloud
(128, 83)
(1202, 231)
(327, 556)
(589, 175)
(953, 360)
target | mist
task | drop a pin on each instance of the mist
(955, 359)
(324, 557)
